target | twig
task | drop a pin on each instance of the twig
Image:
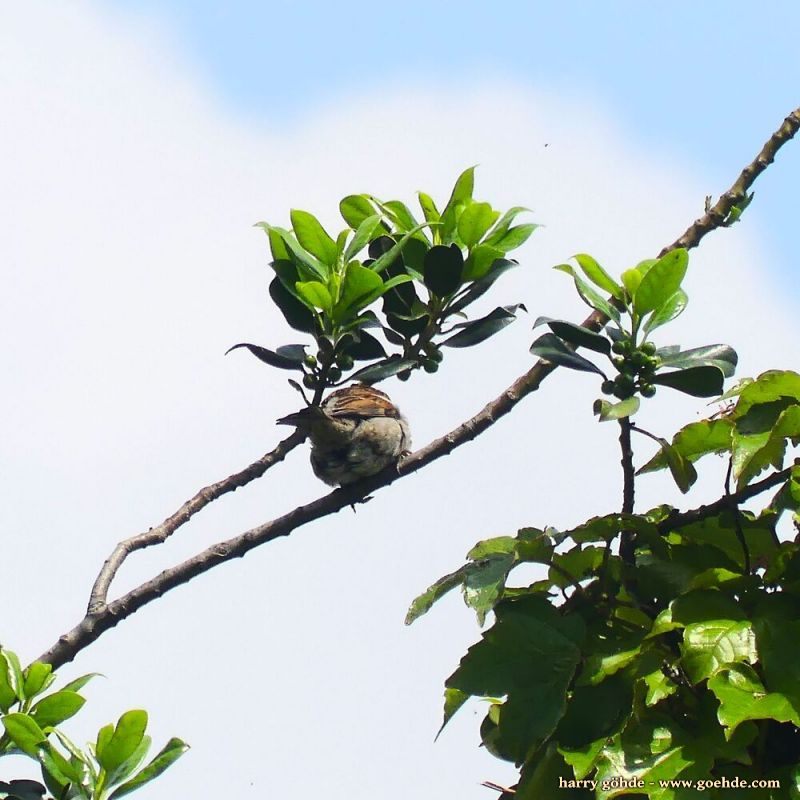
(627, 544)
(107, 616)
(162, 532)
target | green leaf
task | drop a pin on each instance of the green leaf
(514, 237)
(36, 676)
(55, 708)
(631, 279)
(13, 673)
(473, 223)
(481, 261)
(461, 195)
(8, 695)
(361, 287)
(308, 264)
(576, 335)
(127, 736)
(598, 276)
(478, 330)
(316, 294)
(742, 697)
(768, 387)
(594, 712)
(710, 645)
(661, 281)
(391, 254)
(694, 441)
(383, 369)
(669, 310)
(24, 732)
(481, 286)
(276, 244)
(355, 208)
(695, 381)
(296, 313)
(313, 237)
(484, 582)
(272, 358)
(366, 347)
(429, 210)
(442, 269)
(551, 348)
(399, 213)
(453, 700)
(759, 438)
(503, 224)
(171, 752)
(424, 602)
(608, 411)
(363, 235)
(132, 763)
(721, 356)
(589, 295)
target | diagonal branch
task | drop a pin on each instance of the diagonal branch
(159, 534)
(101, 617)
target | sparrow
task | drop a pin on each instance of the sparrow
(356, 432)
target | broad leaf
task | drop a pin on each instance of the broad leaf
(598, 276)
(383, 369)
(120, 746)
(721, 356)
(296, 313)
(609, 411)
(478, 330)
(313, 237)
(316, 294)
(363, 235)
(695, 381)
(355, 208)
(514, 237)
(274, 359)
(589, 295)
(694, 441)
(56, 707)
(473, 223)
(670, 309)
(443, 268)
(171, 752)
(361, 287)
(576, 335)
(424, 602)
(480, 261)
(24, 732)
(661, 281)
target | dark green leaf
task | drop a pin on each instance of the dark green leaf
(453, 700)
(594, 712)
(589, 295)
(478, 330)
(661, 281)
(443, 268)
(355, 208)
(394, 251)
(484, 582)
(721, 356)
(422, 604)
(299, 316)
(695, 381)
(577, 335)
(383, 369)
(269, 357)
(480, 287)
(481, 261)
(551, 348)
(694, 441)
(366, 347)
(768, 387)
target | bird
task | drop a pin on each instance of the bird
(355, 432)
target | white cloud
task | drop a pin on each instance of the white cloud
(130, 266)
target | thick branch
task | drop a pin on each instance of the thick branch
(107, 616)
(162, 532)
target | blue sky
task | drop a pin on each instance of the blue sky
(706, 81)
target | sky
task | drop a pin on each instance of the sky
(141, 143)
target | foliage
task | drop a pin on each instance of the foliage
(425, 273)
(660, 646)
(110, 767)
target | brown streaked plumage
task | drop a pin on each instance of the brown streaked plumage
(356, 432)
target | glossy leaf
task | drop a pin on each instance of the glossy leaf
(363, 235)
(442, 269)
(576, 335)
(479, 330)
(589, 295)
(721, 356)
(473, 223)
(484, 582)
(355, 208)
(481, 286)
(170, 753)
(429, 210)
(366, 347)
(669, 310)
(400, 214)
(695, 381)
(551, 348)
(316, 294)
(481, 261)
(610, 411)
(768, 387)
(710, 645)
(361, 286)
(503, 224)
(424, 602)
(307, 263)
(270, 357)
(56, 707)
(313, 237)
(296, 313)
(514, 237)
(128, 734)
(694, 441)
(759, 438)
(24, 732)
(36, 678)
(383, 369)
(661, 281)
(598, 276)
(389, 256)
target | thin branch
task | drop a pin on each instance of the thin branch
(162, 532)
(627, 546)
(680, 520)
(107, 616)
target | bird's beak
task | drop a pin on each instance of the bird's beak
(300, 418)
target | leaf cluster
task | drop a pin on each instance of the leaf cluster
(110, 767)
(681, 663)
(424, 271)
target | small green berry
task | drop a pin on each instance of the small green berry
(607, 387)
(344, 360)
(648, 348)
(404, 375)
(619, 347)
(334, 373)
(647, 390)
(429, 365)
(309, 381)
(310, 361)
